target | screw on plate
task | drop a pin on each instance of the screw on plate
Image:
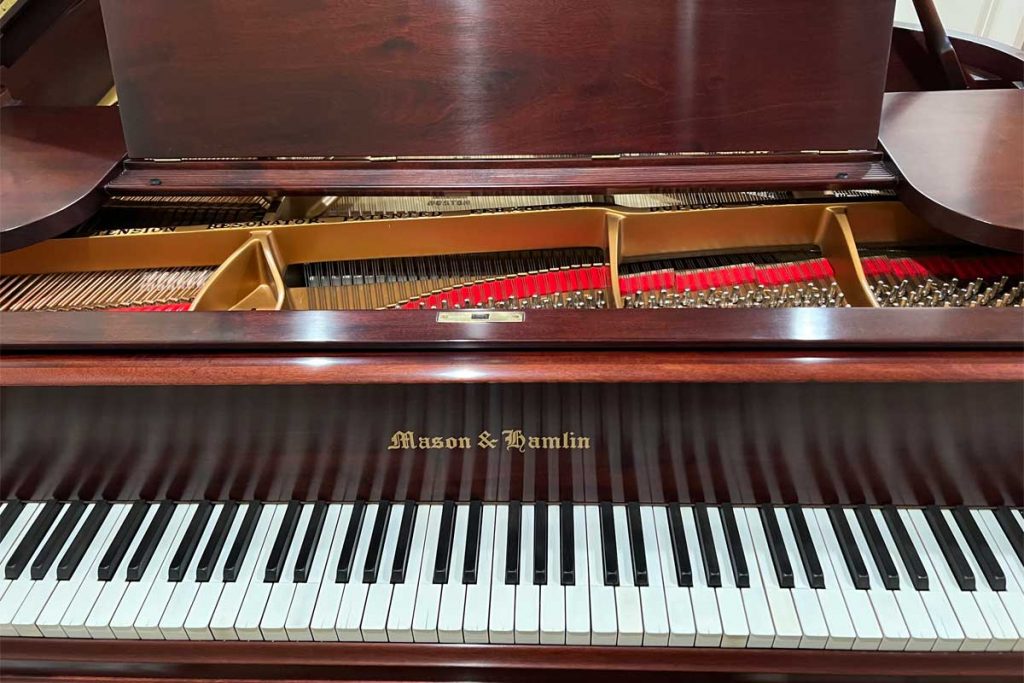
(154, 181)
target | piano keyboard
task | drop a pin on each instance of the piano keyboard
(862, 578)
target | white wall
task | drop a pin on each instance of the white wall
(1001, 20)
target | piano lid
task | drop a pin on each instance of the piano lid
(455, 78)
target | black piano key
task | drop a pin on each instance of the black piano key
(609, 552)
(208, 560)
(236, 556)
(310, 540)
(637, 551)
(80, 544)
(805, 546)
(905, 547)
(1012, 529)
(48, 553)
(445, 541)
(876, 546)
(567, 540)
(950, 549)
(735, 546)
(776, 546)
(979, 546)
(540, 544)
(515, 518)
(680, 555)
(348, 546)
(402, 550)
(118, 548)
(9, 516)
(376, 549)
(187, 548)
(848, 545)
(712, 572)
(283, 542)
(471, 558)
(37, 531)
(144, 552)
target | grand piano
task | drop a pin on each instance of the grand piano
(503, 339)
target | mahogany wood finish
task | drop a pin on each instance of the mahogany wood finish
(396, 661)
(502, 77)
(510, 367)
(990, 64)
(705, 329)
(413, 178)
(957, 154)
(939, 45)
(55, 162)
(55, 55)
(910, 443)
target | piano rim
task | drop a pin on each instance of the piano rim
(211, 659)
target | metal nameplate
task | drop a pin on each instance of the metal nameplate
(481, 316)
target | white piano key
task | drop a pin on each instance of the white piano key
(895, 635)
(453, 593)
(403, 596)
(652, 596)
(755, 602)
(328, 600)
(923, 636)
(478, 595)
(735, 631)
(808, 608)
(1004, 633)
(705, 605)
(250, 611)
(1013, 596)
(97, 623)
(679, 610)
(350, 615)
(552, 594)
(628, 610)
(577, 596)
(842, 634)
(18, 589)
(604, 626)
(171, 622)
(200, 614)
(527, 629)
(123, 622)
(24, 621)
(272, 625)
(780, 601)
(300, 614)
(13, 538)
(862, 614)
(226, 616)
(428, 596)
(501, 625)
(950, 636)
(976, 632)
(49, 620)
(374, 626)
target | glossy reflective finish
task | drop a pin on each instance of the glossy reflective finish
(437, 78)
(55, 161)
(806, 442)
(952, 149)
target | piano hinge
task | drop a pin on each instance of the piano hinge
(382, 158)
(599, 157)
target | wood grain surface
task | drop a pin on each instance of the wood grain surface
(503, 77)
